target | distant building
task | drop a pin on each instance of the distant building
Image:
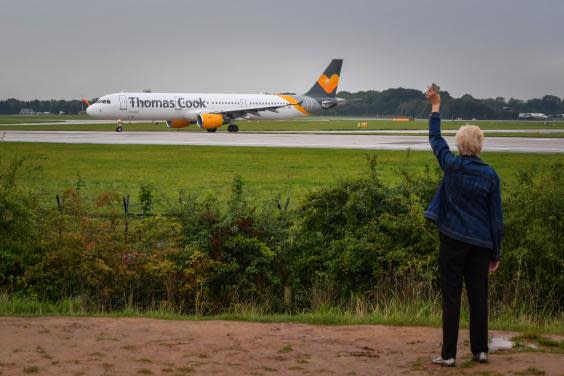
(27, 111)
(532, 115)
(31, 111)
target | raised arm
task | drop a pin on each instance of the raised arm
(438, 143)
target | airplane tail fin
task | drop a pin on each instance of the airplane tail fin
(326, 85)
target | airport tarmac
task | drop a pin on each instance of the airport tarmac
(303, 140)
(248, 128)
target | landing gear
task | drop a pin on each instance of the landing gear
(119, 127)
(233, 128)
(212, 130)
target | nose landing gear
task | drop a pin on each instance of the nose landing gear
(233, 128)
(119, 127)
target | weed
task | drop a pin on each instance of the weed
(185, 369)
(419, 364)
(531, 371)
(533, 336)
(31, 369)
(545, 341)
(43, 353)
(286, 349)
(468, 364)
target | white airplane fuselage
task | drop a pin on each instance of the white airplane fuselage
(187, 106)
(211, 111)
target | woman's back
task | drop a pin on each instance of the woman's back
(467, 205)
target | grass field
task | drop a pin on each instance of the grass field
(419, 313)
(51, 168)
(17, 119)
(529, 135)
(309, 124)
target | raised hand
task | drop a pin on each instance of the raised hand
(434, 98)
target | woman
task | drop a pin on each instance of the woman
(467, 211)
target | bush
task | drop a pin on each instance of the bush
(19, 228)
(353, 241)
(234, 249)
(366, 238)
(533, 260)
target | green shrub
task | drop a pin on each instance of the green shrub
(19, 228)
(531, 273)
(355, 243)
(365, 237)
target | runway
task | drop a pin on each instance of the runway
(303, 140)
(249, 128)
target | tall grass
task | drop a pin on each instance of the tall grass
(359, 312)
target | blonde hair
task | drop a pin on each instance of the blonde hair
(469, 140)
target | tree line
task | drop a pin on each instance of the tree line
(55, 106)
(410, 102)
(390, 102)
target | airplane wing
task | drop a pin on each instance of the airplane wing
(241, 112)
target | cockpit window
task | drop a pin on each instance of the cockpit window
(105, 101)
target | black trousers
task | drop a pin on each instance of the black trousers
(460, 260)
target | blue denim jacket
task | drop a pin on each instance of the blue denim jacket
(467, 205)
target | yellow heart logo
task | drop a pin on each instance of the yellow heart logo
(328, 84)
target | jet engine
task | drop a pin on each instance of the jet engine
(210, 121)
(178, 123)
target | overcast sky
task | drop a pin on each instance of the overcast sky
(488, 48)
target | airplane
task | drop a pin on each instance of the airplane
(211, 111)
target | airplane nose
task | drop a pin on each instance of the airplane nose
(89, 110)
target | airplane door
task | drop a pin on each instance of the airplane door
(122, 102)
(243, 103)
(176, 106)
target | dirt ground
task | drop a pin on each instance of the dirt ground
(135, 346)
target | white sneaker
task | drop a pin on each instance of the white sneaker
(445, 362)
(480, 358)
